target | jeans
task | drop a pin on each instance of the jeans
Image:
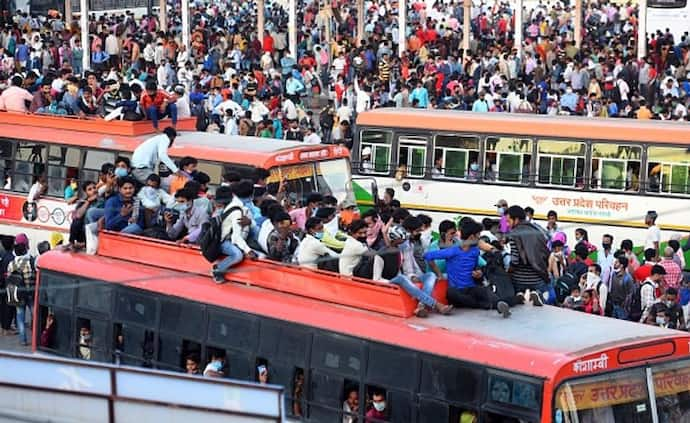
(155, 114)
(21, 323)
(94, 214)
(234, 256)
(424, 294)
(619, 312)
(541, 288)
(132, 229)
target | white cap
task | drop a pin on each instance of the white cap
(366, 151)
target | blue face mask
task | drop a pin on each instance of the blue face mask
(318, 235)
(182, 207)
(120, 172)
(474, 167)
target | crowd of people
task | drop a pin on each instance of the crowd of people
(239, 85)
(493, 264)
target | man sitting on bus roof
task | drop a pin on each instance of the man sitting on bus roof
(191, 218)
(462, 267)
(158, 104)
(119, 208)
(233, 234)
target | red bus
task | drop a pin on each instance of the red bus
(64, 148)
(326, 337)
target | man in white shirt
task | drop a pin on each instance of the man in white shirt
(355, 247)
(653, 236)
(344, 112)
(311, 137)
(311, 249)
(152, 151)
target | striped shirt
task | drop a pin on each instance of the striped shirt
(522, 273)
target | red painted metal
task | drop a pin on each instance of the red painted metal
(317, 284)
(100, 126)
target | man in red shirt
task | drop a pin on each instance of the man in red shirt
(158, 104)
(378, 410)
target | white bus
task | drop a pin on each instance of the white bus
(599, 174)
(673, 15)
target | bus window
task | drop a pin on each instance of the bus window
(445, 379)
(454, 155)
(507, 159)
(374, 151)
(615, 397)
(412, 155)
(560, 162)
(84, 339)
(182, 318)
(135, 308)
(63, 165)
(326, 396)
(94, 296)
(29, 163)
(6, 162)
(667, 170)
(298, 393)
(93, 160)
(216, 363)
(380, 371)
(173, 352)
(133, 345)
(616, 167)
(672, 389)
(351, 402)
(337, 353)
(232, 330)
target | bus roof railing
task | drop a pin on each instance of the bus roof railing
(95, 125)
(299, 280)
(81, 388)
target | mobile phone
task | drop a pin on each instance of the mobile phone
(262, 369)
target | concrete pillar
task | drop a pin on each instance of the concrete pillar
(402, 27)
(642, 30)
(185, 27)
(84, 27)
(292, 28)
(260, 19)
(466, 27)
(360, 21)
(578, 23)
(163, 15)
(518, 27)
(68, 13)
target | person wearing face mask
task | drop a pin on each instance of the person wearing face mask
(501, 207)
(620, 286)
(377, 412)
(191, 217)
(72, 191)
(312, 251)
(333, 237)
(357, 259)
(574, 300)
(605, 258)
(473, 173)
(674, 317)
(648, 290)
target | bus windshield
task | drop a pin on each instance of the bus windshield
(329, 177)
(624, 396)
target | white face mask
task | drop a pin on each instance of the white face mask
(379, 405)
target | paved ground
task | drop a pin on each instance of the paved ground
(11, 343)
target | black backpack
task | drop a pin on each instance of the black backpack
(500, 281)
(15, 290)
(633, 302)
(210, 236)
(565, 284)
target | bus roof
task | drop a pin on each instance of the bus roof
(631, 130)
(534, 341)
(250, 151)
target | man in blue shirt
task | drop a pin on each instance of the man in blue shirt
(461, 265)
(119, 209)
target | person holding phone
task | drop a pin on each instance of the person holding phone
(263, 374)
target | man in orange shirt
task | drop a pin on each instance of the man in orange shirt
(158, 104)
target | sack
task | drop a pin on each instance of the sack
(15, 290)
(565, 284)
(633, 302)
(500, 281)
(210, 236)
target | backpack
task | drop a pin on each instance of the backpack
(500, 281)
(565, 284)
(633, 302)
(15, 290)
(210, 236)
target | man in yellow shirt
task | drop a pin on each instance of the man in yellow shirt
(643, 112)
